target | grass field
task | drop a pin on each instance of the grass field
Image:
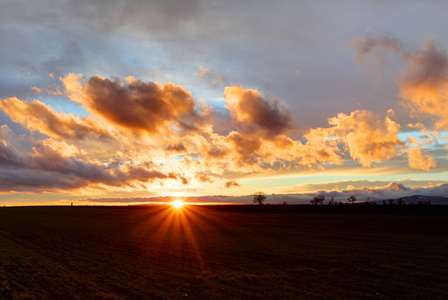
(217, 253)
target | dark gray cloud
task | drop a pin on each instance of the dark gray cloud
(49, 170)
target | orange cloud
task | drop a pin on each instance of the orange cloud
(424, 83)
(204, 178)
(424, 79)
(367, 138)
(231, 183)
(247, 149)
(40, 117)
(136, 105)
(36, 90)
(161, 133)
(320, 147)
(63, 148)
(176, 148)
(253, 114)
(419, 159)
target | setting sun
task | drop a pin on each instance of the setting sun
(178, 203)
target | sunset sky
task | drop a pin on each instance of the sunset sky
(124, 101)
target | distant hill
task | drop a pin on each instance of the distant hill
(420, 198)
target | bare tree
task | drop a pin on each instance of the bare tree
(352, 199)
(331, 202)
(259, 197)
(318, 199)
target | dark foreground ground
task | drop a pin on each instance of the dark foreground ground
(223, 253)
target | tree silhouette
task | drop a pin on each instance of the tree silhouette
(318, 199)
(259, 197)
(352, 199)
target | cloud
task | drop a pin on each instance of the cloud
(419, 159)
(184, 180)
(135, 105)
(369, 44)
(204, 178)
(176, 148)
(203, 72)
(320, 147)
(423, 81)
(367, 138)
(161, 133)
(40, 117)
(9, 156)
(253, 114)
(222, 121)
(47, 169)
(232, 183)
(142, 174)
(390, 190)
(64, 148)
(246, 148)
(362, 135)
(206, 73)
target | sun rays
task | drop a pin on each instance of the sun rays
(178, 232)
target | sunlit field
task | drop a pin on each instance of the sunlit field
(202, 252)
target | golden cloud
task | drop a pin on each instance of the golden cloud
(367, 138)
(54, 166)
(231, 183)
(423, 81)
(419, 159)
(135, 105)
(160, 133)
(40, 117)
(253, 114)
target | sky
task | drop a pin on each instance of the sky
(117, 102)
